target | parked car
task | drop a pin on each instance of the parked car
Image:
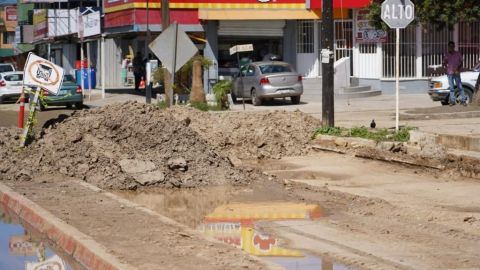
(259, 81)
(5, 67)
(439, 88)
(11, 84)
(70, 94)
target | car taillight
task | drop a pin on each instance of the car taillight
(45, 92)
(79, 89)
(3, 83)
(264, 81)
(300, 78)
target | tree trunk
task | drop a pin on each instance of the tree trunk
(197, 95)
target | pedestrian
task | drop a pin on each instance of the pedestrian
(138, 69)
(453, 62)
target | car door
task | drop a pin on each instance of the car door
(238, 82)
(248, 81)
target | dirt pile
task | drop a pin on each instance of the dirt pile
(122, 146)
(252, 135)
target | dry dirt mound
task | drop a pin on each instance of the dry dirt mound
(247, 135)
(123, 146)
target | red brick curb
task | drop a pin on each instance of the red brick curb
(83, 248)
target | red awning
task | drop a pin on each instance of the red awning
(317, 4)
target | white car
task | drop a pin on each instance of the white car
(11, 84)
(439, 89)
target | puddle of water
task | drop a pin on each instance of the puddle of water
(22, 249)
(232, 215)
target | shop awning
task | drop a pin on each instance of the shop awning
(317, 4)
(6, 52)
(261, 14)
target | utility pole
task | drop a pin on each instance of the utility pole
(327, 64)
(168, 78)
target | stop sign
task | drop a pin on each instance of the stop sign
(398, 13)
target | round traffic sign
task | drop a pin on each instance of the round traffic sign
(398, 13)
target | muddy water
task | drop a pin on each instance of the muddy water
(23, 249)
(234, 215)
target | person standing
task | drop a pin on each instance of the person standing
(138, 69)
(453, 62)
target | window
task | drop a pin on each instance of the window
(6, 68)
(13, 77)
(251, 71)
(269, 69)
(305, 36)
(8, 37)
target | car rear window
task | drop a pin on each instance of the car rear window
(13, 77)
(268, 69)
(5, 68)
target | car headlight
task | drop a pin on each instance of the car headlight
(437, 85)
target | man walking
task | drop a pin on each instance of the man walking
(453, 62)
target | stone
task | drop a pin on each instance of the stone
(150, 178)
(177, 164)
(134, 166)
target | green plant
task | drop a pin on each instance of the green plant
(162, 104)
(403, 135)
(200, 106)
(221, 89)
(332, 131)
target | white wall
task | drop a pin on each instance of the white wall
(342, 73)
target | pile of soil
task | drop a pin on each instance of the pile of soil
(122, 146)
(254, 135)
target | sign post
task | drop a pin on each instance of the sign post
(397, 14)
(41, 75)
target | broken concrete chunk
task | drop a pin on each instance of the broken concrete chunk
(133, 166)
(150, 178)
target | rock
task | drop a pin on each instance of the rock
(23, 175)
(340, 142)
(236, 162)
(150, 178)
(177, 164)
(134, 166)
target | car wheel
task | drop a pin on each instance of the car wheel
(256, 101)
(468, 96)
(295, 99)
(234, 97)
(79, 105)
(69, 105)
(1, 100)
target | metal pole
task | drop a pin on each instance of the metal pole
(89, 79)
(397, 79)
(147, 40)
(327, 65)
(174, 63)
(102, 59)
(82, 83)
(168, 78)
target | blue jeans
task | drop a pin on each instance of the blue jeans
(454, 79)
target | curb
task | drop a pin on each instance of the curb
(81, 247)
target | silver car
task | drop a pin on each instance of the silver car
(11, 84)
(259, 81)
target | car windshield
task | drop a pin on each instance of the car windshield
(13, 77)
(5, 68)
(269, 69)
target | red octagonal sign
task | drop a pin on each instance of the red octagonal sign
(398, 13)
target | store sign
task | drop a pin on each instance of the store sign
(18, 245)
(241, 48)
(42, 73)
(40, 26)
(62, 22)
(365, 32)
(11, 14)
(90, 22)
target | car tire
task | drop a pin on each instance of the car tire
(445, 102)
(40, 106)
(234, 97)
(468, 95)
(256, 101)
(1, 100)
(69, 105)
(295, 99)
(79, 105)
